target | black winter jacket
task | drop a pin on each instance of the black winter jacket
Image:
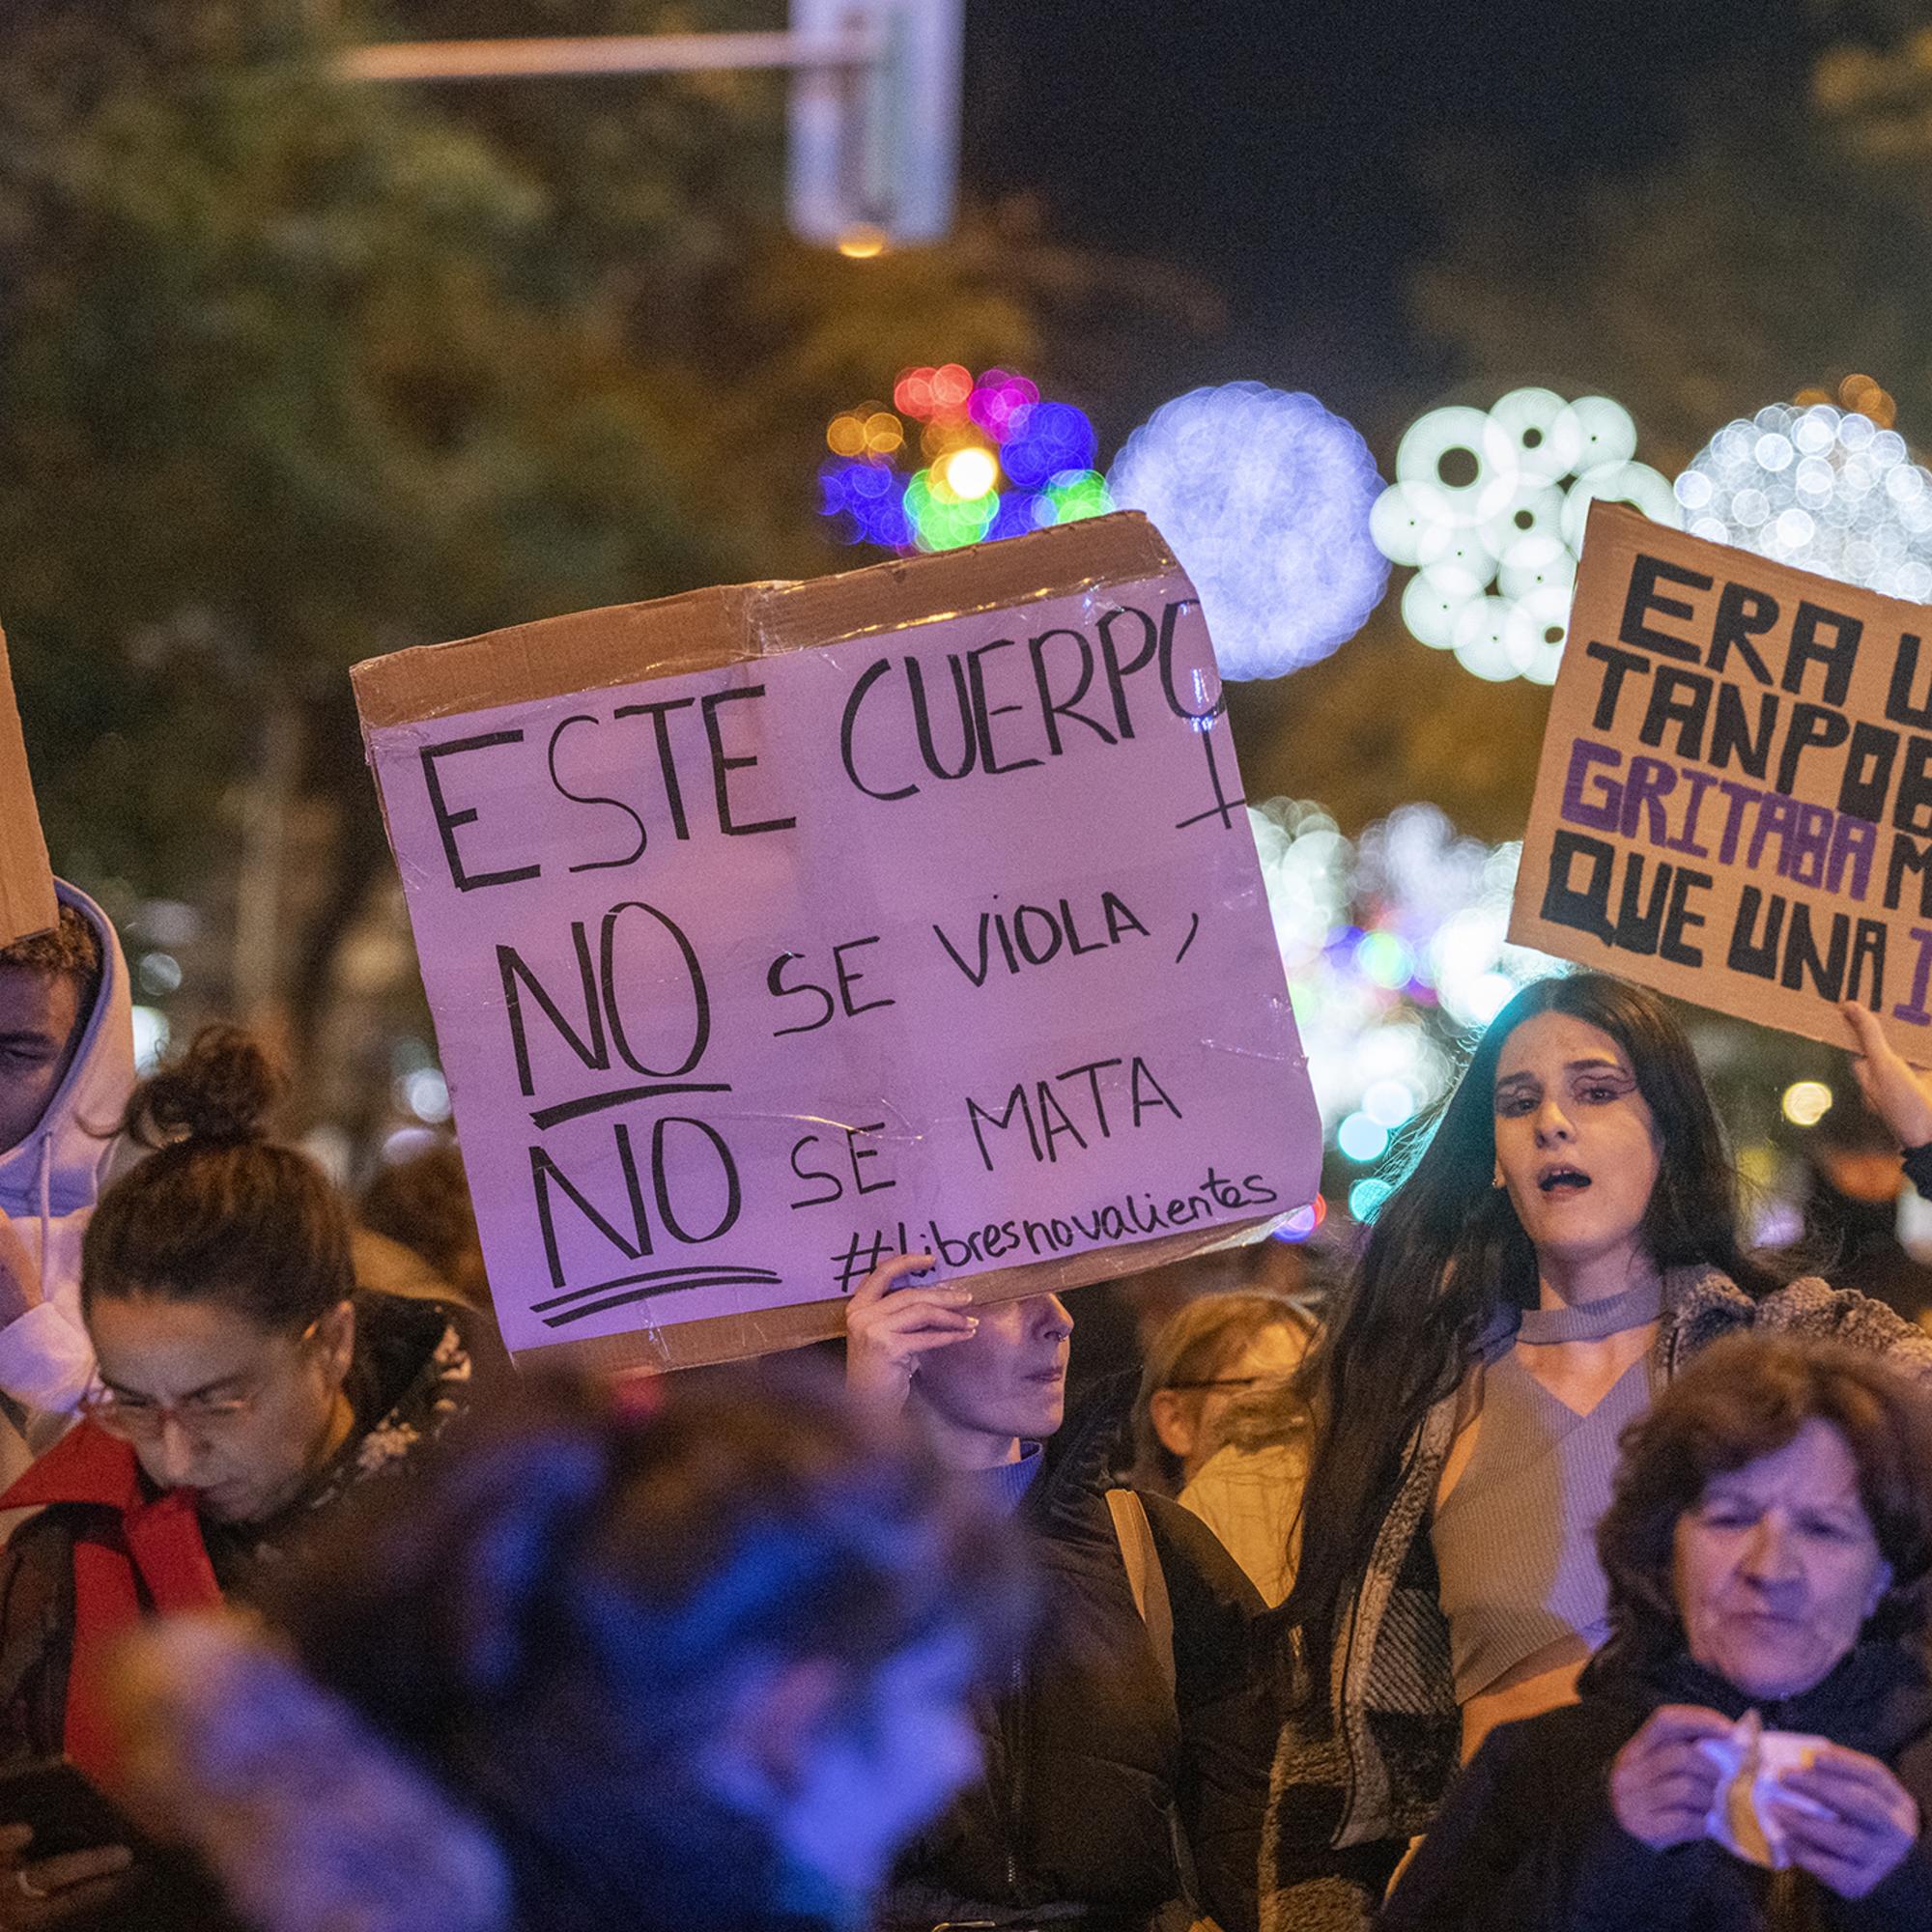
(1088, 1757)
(1527, 1839)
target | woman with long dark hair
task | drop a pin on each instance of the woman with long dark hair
(1566, 1239)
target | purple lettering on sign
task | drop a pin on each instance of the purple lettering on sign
(1602, 811)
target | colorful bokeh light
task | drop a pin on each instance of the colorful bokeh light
(1265, 497)
(1396, 951)
(959, 460)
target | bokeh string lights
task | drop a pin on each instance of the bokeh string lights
(958, 460)
(1825, 488)
(1265, 497)
(1488, 507)
(1395, 949)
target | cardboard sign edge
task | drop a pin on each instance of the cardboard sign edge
(1626, 529)
(27, 901)
(705, 630)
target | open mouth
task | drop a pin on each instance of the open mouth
(1562, 1180)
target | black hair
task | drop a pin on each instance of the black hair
(1447, 1253)
(70, 946)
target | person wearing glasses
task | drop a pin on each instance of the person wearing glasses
(242, 1387)
(1209, 1357)
(1213, 1425)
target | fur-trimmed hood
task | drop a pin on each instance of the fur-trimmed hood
(306, 1821)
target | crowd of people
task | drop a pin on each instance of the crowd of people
(1565, 1563)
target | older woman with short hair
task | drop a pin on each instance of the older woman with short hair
(1768, 1549)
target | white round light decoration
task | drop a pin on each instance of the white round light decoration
(1488, 507)
(1819, 487)
(1265, 497)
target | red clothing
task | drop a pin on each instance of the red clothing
(147, 1555)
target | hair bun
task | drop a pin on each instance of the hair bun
(221, 1090)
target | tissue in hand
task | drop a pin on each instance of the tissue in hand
(1751, 1762)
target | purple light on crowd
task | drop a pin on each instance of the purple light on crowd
(1265, 497)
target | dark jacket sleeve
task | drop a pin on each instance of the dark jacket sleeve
(1474, 1847)
(1527, 1839)
(1227, 1718)
(35, 1638)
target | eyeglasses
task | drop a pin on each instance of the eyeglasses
(138, 1418)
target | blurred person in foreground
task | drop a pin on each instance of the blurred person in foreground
(66, 1066)
(699, 1669)
(1128, 1749)
(243, 1389)
(1767, 1546)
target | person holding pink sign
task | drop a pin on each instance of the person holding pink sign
(1126, 1755)
(1566, 1242)
(1754, 1744)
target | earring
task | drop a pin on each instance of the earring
(1496, 1181)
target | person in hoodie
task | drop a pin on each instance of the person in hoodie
(694, 1665)
(243, 1387)
(1767, 1546)
(1127, 1750)
(67, 1067)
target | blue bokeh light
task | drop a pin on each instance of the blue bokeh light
(1265, 497)
(1044, 438)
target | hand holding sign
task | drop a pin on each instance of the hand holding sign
(1734, 803)
(1900, 1093)
(888, 1328)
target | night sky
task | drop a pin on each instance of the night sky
(1280, 147)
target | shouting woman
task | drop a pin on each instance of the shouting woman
(1564, 1243)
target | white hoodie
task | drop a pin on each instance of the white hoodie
(48, 1184)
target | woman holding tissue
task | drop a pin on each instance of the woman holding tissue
(1565, 1244)
(1752, 1750)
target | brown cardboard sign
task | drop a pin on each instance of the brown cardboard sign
(27, 902)
(1734, 803)
(774, 929)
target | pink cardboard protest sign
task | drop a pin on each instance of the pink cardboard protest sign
(794, 925)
